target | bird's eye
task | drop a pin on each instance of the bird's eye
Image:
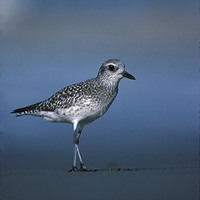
(111, 67)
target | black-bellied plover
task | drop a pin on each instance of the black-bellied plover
(81, 103)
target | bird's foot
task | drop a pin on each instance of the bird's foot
(85, 169)
(73, 169)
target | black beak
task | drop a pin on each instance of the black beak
(127, 75)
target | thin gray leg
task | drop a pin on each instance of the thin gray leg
(83, 167)
(74, 168)
(80, 128)
(74, 160)
(76, 148)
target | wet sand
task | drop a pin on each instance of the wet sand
(107, 184)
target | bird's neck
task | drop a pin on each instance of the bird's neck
(111, 84)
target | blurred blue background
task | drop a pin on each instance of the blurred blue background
(47, 45)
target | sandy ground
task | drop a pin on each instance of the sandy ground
(155, 184)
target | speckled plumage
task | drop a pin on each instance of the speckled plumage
(83, 102)
(73, 101)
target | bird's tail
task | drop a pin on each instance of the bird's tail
(28, 110)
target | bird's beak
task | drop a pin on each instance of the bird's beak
(127, 75)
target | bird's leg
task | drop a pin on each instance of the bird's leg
(83, 167)
(77, 151)
(76, 147)
(74, 168)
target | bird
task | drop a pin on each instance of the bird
(81, 103)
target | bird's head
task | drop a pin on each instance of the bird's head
(114, 70)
